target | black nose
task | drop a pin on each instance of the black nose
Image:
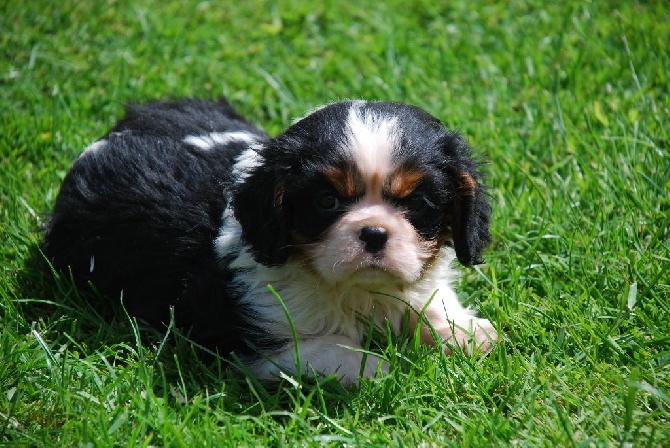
(375, 238)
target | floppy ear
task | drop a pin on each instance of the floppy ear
(470, 221)
(257, 204)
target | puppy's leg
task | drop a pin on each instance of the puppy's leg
(324, 355)
(456, 325)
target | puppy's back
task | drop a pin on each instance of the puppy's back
(140, 208)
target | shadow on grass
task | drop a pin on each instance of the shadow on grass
(93, 327)
(52, 302)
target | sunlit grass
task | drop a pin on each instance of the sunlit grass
(568, 102)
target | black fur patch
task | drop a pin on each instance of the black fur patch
(139, 212)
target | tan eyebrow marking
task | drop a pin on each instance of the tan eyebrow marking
(346, 182)
(403, 182)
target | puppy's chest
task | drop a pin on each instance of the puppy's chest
(314, 308)
(361, 308)
(350, 312)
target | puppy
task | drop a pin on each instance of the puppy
(355, 212)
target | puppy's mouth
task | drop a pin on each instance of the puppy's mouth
(370, 255)
(372, 271)
(373, 274)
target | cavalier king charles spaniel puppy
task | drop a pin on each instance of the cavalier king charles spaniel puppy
(353, 215)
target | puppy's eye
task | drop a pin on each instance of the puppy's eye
(416, 203)
(327, 202)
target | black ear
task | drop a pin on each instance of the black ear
(257, 204)
(470, 220)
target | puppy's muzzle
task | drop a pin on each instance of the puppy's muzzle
(374, 238)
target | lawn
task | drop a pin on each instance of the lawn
(569, 102)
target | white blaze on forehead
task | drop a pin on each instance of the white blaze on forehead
(371, 139)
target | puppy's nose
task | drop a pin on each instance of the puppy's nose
(375, 238)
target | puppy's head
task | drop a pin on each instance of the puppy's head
(363, 192)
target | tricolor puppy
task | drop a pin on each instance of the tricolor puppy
(355, 212)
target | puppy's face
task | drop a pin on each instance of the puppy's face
(363, 193)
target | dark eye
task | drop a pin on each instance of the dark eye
(416, 203)
(327, 202)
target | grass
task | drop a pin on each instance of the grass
(569, 102)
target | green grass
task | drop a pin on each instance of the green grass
(569, 102)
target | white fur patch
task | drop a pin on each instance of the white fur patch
(227, 243)
(330, 316)
(209, 141)
(246, 161)
(456, 324)
(371, 140)
(94, 147)
(327, 317)
(315, 307)
(319, 308)
(327, 355)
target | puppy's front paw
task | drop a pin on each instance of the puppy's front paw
(475, 335)
(349, 371)
(484, 335)
(327, 355)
